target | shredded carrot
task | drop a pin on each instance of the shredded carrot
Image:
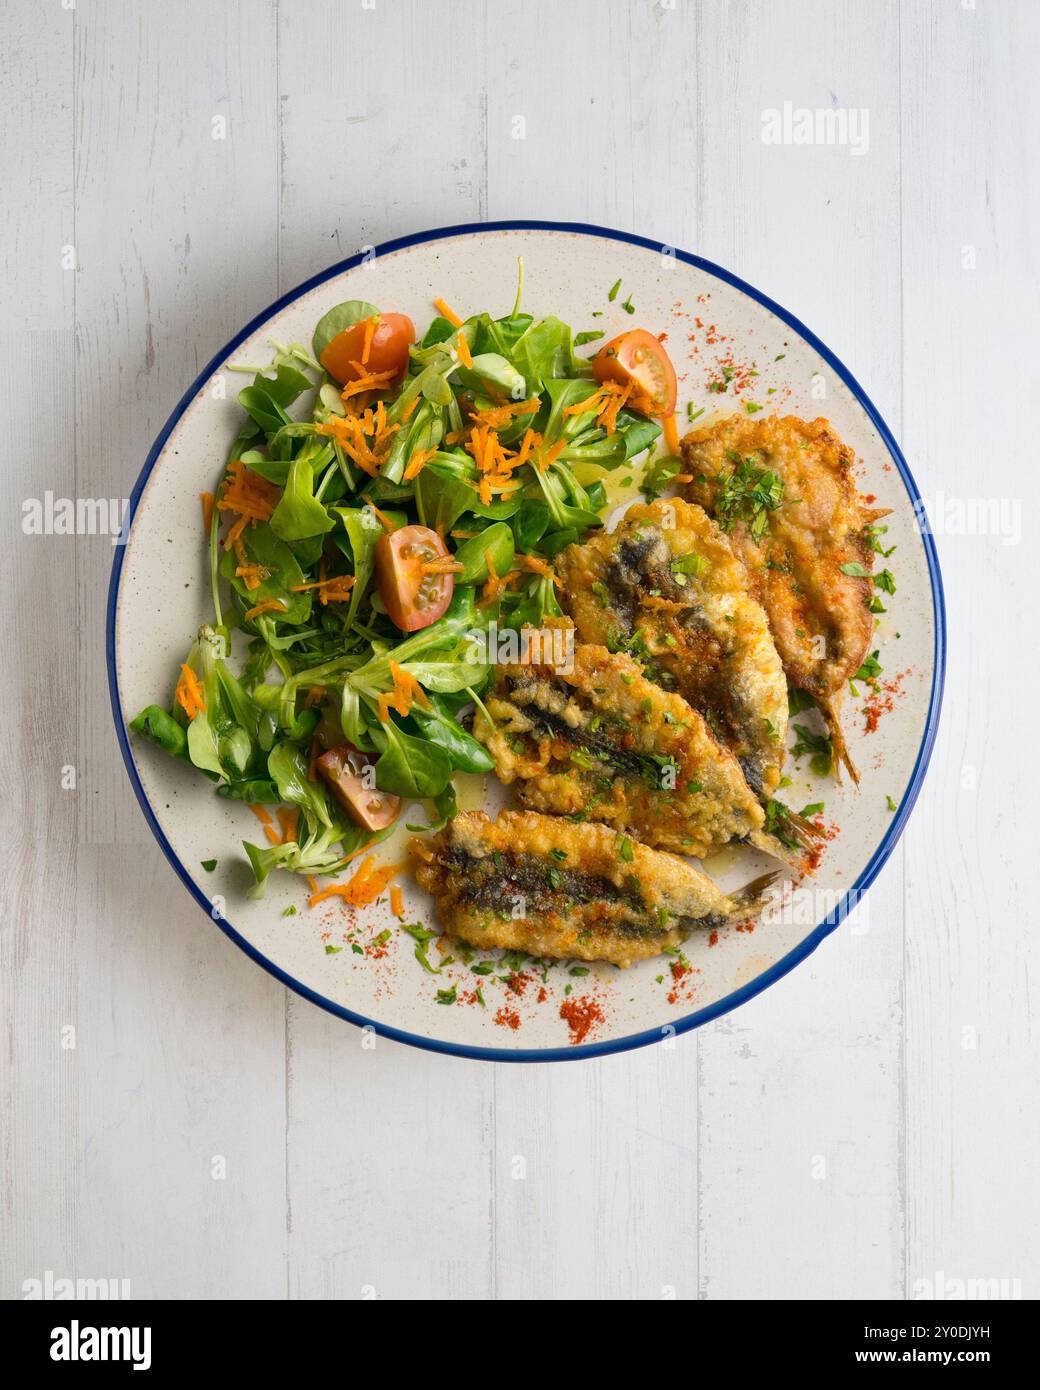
(396, 901)
(334, 590)
(550, 456)
(208, 502)
(366, 381)
(236, 531)
(494, 585)
(189, 694)
(253, 575)
(406, 690)
(249, 496)
(366, 347)
(499, 415)
(314, 695)
(671, 434)
(530, 441)
(287, 818)
(592, 402)
(267, 605)
(365, 438)
(447, 312)
(537, 565)
(406, 413)
(465, 356)
(364, 887)
(268, 824)
(683, 478)
(417, 463)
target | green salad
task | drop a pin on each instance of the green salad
(384, 500)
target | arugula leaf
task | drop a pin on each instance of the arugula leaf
(409, 767)
(299, 514)
(279, 570)
(287, 764)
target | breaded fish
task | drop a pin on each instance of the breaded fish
(572, 891)
(667, 587)
(783, 489)
(600, 741)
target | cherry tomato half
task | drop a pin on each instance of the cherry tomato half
(392, 336)
(344, 770)
(638, 358)
(414, 594)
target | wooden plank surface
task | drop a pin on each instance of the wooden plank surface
(861, 1127)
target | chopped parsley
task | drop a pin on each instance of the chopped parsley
(855, 569)
(422, 936)
(818, 746)
(447, 996)
(870, 670)
(657, 474)
(748, 494)
(612, 293)
(689, 564)
(208, 864)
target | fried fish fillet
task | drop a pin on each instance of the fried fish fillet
(573, 891)
(667, 587)
(794, 540)
(598, 739)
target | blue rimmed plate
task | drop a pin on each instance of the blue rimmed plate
(159, 595)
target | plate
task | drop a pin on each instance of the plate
(159, 596)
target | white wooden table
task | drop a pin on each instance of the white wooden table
(870, 1125)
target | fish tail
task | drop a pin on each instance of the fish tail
(751, 898)
(842, 758)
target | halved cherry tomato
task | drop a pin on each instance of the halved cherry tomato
(343, 769)
(414, 594)
(638, 357)
(388, 352)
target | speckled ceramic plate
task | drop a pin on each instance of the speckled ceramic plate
(159, 596)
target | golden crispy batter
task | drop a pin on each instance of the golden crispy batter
(793, 552)
(601, 741)
(667, 587)
(554, 888)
